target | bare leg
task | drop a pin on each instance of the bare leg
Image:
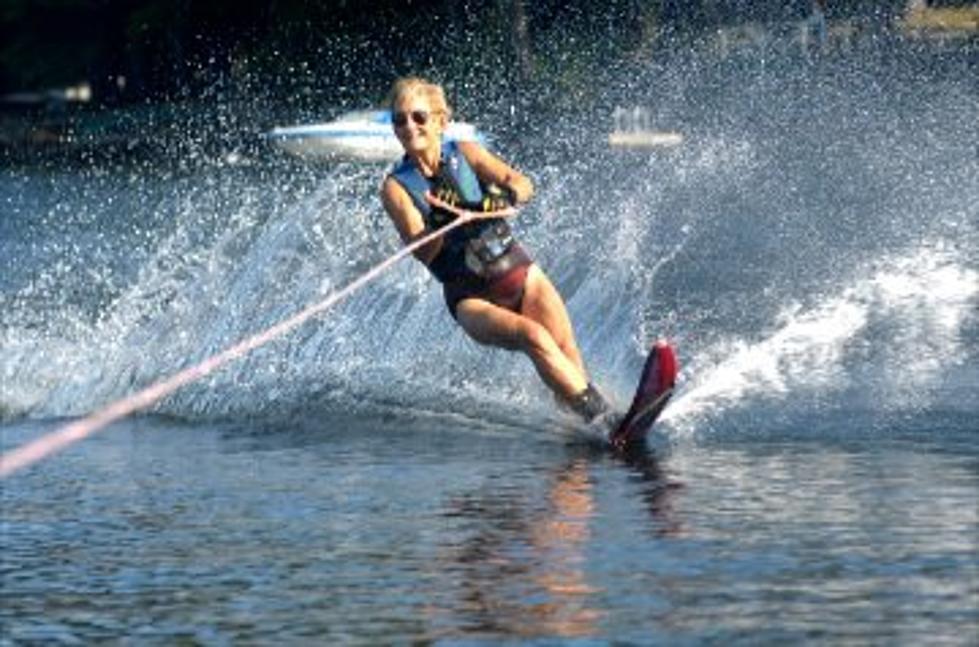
(543, 304)
(492, 325)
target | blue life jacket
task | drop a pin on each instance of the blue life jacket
(455, 174)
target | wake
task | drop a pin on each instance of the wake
(890, 335)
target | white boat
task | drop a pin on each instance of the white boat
(361, 136)
(644, 139)
(632, 129)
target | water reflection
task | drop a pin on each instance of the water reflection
(657, 490)
(520, 562)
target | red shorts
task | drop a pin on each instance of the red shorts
(505, 290)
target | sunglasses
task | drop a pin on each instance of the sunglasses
(400, 119)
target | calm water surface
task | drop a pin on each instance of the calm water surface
(361, 531)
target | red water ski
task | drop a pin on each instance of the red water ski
(654, 390)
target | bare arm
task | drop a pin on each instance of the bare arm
(491, 168)
(407, 219)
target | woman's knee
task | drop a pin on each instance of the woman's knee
(534, 338)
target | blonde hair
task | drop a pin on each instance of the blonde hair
(413, 85)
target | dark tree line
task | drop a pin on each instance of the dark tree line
(131, 50)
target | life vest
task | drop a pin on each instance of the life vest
(469, 249)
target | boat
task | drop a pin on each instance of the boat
(644, 139)
(361, 136)
(632, 129)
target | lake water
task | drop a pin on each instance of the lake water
(377, 478)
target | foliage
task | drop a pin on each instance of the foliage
(341, 51)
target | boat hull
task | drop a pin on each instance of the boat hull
(366, 139)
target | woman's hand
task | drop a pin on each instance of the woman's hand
(498, 212)
(498, 198)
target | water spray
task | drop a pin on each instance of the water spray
(66, 435)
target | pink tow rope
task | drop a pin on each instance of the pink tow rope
(61, 438)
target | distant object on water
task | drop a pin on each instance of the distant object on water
(923, 21)
(361, 136)
(644, 139)
(632, 129)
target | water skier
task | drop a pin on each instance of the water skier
(492, 287)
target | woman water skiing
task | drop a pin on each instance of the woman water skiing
(492, 288)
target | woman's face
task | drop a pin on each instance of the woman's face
(416, 124)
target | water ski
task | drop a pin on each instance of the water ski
(654, 390)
